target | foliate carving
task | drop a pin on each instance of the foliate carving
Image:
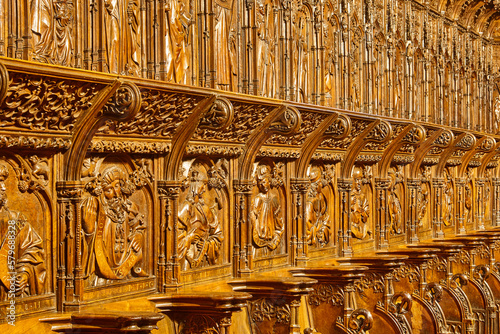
(214, 150)
(160, 115)
(310, 122)
(340, 128)
(467, 142)
(267, 309)
(437, 263)
(373, 281)
(368, 159)
(22, 257)
(118, 146)
(4, 82)
(266, 215)
(402, 160)
(279, 153)
(326, 293)
(200, 324)
(361, 320)
(45, 103)
(219, 116)
(444, 140)
(408, 271)
(32, 176)
(113, 227)
(54, 143)
(462, 257)
(287, 123)
(200, 231)
(488, 144)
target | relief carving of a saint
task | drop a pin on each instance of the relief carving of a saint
(317, 216)
(266, 216)
(22, 257)
(113, 229)
(41, 12)
(113, 34)
(360, 208)
(176, 41)
(266, 33)
(448, 200)
(200, 232)
(394, 204)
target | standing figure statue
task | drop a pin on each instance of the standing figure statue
(133, 64)
(200, 234)
(62, 53)
(176, 40)
(394, 204)
(41, 12)
(113, 35)
(266, 217)
(360, 208)
(113, 229)
(223, 18)
(22, 258)
(317, 217)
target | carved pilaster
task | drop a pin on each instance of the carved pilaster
(69, 234)
(299, 227)
(345, 238)
(413, 188)
(243, 249)
(438, 185)
(382, 210)
(460, 205)
(168, 262)
(495, 219)
(480, 203)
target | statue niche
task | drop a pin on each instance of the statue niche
(199, 224)
(22, 256)
(360, 204)
(423, 194)
(113, 227)
(318, 220)
(266, 43)
(265, 213)
(448, 199)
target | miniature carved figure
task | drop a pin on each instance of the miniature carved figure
(176, 39)
(133, 64)
(223, 16)
(112, 34)
(41, 27)
(22, 257)
(200, 233)
(266, 218)
(62, 53)
(317, 217)
(394, 205)
(113, 229)
(301, 57)
(265, 46)
(448, 201)
(360, 208)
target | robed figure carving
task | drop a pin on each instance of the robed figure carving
(266, 217)
(360, 208)
(200, 232)
(317, 216)
(176, 41)
(113, 229)
(22, 258)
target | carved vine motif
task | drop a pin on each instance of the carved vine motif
(266, 216)
(33, 174)
(318, 219)
(266, 309)
(360, 207)
(9, 141)
(113, 227)
(357, 127)
(326, 293)
(115, 146)
(408, 271)
(310, 121)
(247, 117)
(200, 229)
(200, 324)
(22, 256)
(373, 281)
(160, 115)
(437, 263)
(44, 103)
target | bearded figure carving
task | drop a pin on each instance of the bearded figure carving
(113, 229)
